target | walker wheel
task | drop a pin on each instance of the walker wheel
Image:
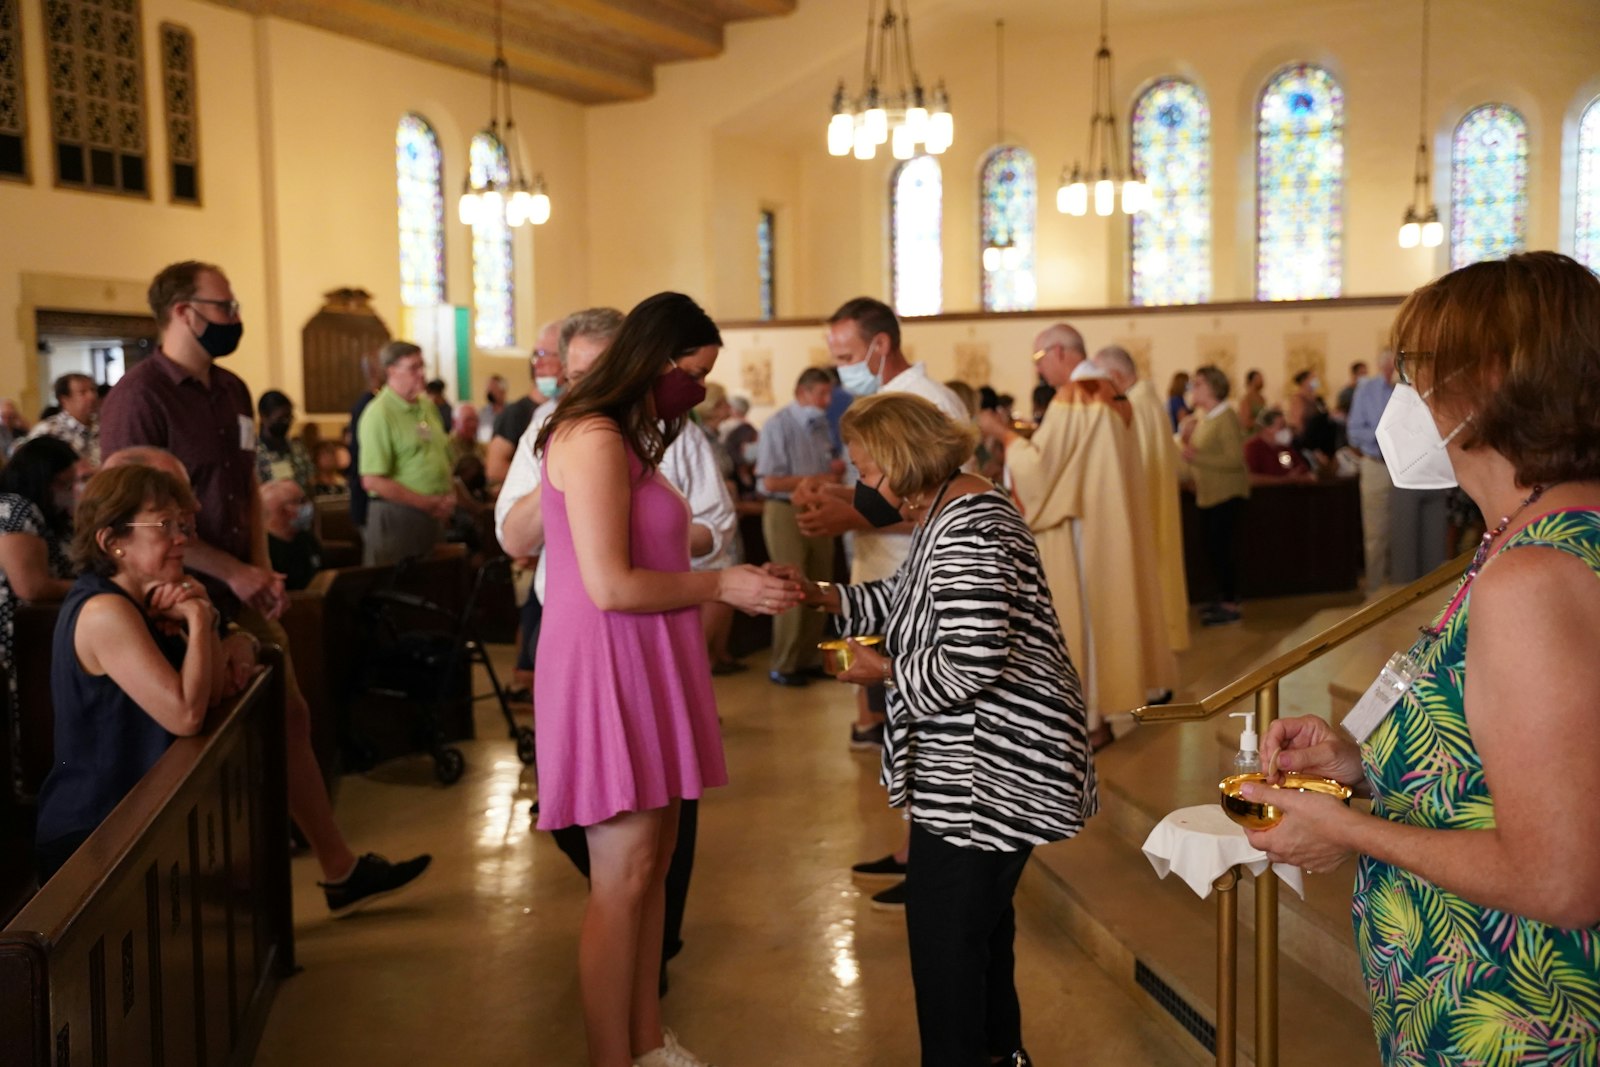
(525, 748)
(448, 765)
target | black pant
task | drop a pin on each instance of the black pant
(1221, 521)
(961, 927)
(573, 841)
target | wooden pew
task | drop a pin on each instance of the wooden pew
(1293, 538)
(162, 940)
(34, 627)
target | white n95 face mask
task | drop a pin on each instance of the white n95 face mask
(1412, 448)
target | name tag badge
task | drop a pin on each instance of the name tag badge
(1381, 697)
(247, 433)
(424, 432)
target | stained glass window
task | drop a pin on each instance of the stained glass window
(1009, 193)
(183, 112)
(1171, 133)
(493, 288)
(1488, 185)
(1300, 186)
(1586, 245)
(95, 56)
(13, 105)
(420, 183)
(916, 207)
(764, 241)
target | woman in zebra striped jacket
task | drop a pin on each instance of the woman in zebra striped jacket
(986, 746)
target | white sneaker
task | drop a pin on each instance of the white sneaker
(671, 1054)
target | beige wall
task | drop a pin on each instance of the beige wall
(297, 180)
(773, 86)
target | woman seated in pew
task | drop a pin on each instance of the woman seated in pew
(137, 659)
(36, 493)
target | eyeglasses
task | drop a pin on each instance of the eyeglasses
(170, 528)
(230, 306)
(1405, 363)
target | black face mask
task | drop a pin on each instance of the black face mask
(874, 508)
(220, 338)
(278, 430)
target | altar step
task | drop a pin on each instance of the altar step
(1155, 937)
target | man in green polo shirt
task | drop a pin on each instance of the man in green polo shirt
(405, 462)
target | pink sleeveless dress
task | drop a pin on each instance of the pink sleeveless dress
(624, 713)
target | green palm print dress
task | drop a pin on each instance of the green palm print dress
(1452, 982)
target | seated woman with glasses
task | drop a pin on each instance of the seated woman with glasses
(137, 660)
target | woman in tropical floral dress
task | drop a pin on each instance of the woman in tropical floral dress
(1477, 897)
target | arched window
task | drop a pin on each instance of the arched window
(493, 288)
(1007, 210)
(420, 182)
(916, 208)
(1488, 185)
(1171, 134)
(1586, 245)
(1300, 186)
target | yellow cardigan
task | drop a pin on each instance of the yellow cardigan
(1218, 467)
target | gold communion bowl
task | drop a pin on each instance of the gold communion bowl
(1254, 815)
(1024, 428)
(838, 656)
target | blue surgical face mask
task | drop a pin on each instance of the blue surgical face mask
(303, 516)
(859, 379)
(549, 387)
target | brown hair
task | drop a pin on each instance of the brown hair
(916, 445)
(871, 317)
(111, 500)
(174, 285)
(1513, 346)
(1218, 381)
(659, 329)
(1180, 382)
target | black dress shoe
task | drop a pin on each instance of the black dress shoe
(1163, 697)
(816, 672)
(796, 680)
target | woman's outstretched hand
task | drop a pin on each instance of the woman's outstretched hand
(758, 592)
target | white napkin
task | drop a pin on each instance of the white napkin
(1201, 842)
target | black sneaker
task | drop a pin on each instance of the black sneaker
(373, 879)
(865, 740)
(886, 869)
(891, 899)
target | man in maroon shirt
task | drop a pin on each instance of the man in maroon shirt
(181, 401)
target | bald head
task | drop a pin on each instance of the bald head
(148, 456)
(1056, 352)
(281, 491)
(1115, 361)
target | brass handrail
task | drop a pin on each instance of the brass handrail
(1263, 684)
(1289, 662)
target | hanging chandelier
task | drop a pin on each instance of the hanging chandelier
(1004, 252)
(1421, 225)
(893, 107)
(484, 195)
(1104, 169)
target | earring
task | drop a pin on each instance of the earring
(117, 552)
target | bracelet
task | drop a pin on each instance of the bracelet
(824, 588)
(888, 674)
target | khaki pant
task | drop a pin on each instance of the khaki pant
(395, 532)
(1376, 489)
(796, 632)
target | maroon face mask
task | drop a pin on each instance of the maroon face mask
(676, 393)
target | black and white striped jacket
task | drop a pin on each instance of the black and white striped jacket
(987, 732)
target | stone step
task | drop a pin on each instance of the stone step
(1158, 940)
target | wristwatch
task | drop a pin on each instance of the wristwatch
(888, 674)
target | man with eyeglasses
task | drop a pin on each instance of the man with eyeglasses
(547, 378)
(180, 411)
(405, 463)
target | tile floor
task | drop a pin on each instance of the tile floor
(785, 962)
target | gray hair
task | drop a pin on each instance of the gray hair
(1063, 335)
(740, 405)
(273, 492)
(1115, 361)
(600, 323)
(395, 351)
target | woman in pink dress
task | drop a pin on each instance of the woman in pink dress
(626, 720)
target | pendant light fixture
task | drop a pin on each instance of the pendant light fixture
(1105, 169)
(1003, 253)
(893, 107)
(514, 200)
(1421, 225)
